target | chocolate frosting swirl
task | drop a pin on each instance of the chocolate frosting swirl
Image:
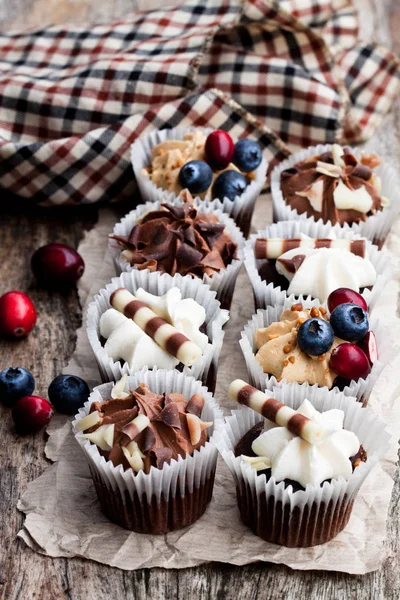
(354, 174)
(166, 437)
(179, 239)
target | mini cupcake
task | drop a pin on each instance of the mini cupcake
(309, 260)
(303, 342)
(175, 309)
(340, 186)
(190, 239)
(206, 162)
(150, 444)
(298, 471)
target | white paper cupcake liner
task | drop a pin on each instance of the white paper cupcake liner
(375, 228)
(205, 367)
(241, 209)
(317, 514)
(361, 389)
(266, 294)
(141, 501)
(223, 283)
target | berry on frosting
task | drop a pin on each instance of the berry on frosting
(196, 176)
(14, 384)
(343, 296)
(369, 347)
(247, 155)
(229, 184)
(219, 149)
(315, 336)
(350, 322)
(68, 393)
(30, 413)
(17, 314)
(349, 362)
(57, 265)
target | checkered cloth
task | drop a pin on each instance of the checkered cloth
(288, 73)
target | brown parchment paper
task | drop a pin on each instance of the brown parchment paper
(63, 517)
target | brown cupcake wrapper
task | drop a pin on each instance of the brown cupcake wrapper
(318, 514)
(164, 499)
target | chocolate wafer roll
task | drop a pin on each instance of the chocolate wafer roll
(163, 333)
(272, 248)
(278, 413)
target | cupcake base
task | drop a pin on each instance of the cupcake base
(135, 513)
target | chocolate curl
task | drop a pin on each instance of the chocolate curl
(162, 332)
(277, 412)
(132, 429)
(196, 426)
(273, 248)
(195, 405)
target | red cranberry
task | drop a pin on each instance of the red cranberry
(17, 314)
(219, 149)
(30, 413)
(350, 362)
(57, 265)
(369, 347)
(344, 296)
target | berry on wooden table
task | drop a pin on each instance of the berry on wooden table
(14, 384)
(30, 413)
(17, 314)
(68, 393)
(57, 266)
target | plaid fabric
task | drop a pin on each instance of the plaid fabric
(289, 73)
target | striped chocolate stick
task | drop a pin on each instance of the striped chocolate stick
(274, 247)
(163, 333)
(277, 412)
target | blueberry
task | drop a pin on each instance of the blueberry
(229, 184)
(68, 393)
(196, 176)
(350, 322)
(15, 383)
(247, 155)
(315, 336)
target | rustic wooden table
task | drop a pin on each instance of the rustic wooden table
(25, 574)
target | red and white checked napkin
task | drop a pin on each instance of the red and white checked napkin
(288, 73)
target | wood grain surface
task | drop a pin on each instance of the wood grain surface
(27, 575)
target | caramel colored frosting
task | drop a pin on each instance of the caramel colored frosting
(168, 158)
(280, 356)
(141, 429)
(179, 240)
(334, 186)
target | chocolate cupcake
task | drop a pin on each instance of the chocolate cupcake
(304, 343)
(340, 186)
(176, 312)
(308, 260)
(158, 158)
(142, 436)
(190, 239)
(296, 483)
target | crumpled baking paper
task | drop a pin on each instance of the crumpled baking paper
(63, 516)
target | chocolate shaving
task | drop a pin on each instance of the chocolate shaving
(161, 456)
(176, 211)
(187, 257)
(362, 171)
(147, 440)
(170, 416)
(292, 264)
(195, 405)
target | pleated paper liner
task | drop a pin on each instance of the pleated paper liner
(375, 228)
(164, 499)
(241, 209)
(267, 294)
(320, 513)
(361, 389)
(205, 367)
(223, 282)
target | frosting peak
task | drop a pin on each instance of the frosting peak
(318, 272)
(291, 457)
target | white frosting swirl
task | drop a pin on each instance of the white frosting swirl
(291, 457)
(326, 269)
(127, 341)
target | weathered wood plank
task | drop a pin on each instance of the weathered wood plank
(28, 575)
